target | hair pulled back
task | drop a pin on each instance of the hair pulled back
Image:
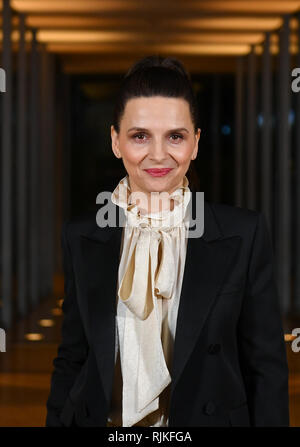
(156, 76)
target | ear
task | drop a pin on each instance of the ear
(115, 142)
(197, 138)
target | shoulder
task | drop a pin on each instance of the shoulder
(234, 220)
(81, 224)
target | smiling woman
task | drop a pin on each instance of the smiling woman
(156, 152)
(155, 129)
(163, 329)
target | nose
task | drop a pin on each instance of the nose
(158, 152)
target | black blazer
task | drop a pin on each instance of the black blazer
(229, 365)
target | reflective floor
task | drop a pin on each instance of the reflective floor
(26, 366)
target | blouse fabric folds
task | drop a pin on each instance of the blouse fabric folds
(152, 258)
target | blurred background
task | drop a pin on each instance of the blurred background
(63, 62)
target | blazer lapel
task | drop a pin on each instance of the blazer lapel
(100, 254)
(208, 261)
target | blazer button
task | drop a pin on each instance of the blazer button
(209, 408)
(214, 349)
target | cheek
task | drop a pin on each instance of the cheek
(131, 155)
(183, 156)
(184, 150)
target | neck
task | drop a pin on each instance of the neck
(148, 202)
(157, 206)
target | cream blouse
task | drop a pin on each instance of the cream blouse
(152, 258)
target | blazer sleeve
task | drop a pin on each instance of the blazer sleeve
(73, 349)
(261, 338)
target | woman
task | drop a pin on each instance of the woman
(160, 328)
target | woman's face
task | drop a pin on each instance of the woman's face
(156, 132)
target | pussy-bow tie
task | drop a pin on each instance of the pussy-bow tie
(147, 274)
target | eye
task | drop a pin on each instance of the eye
(178, 137)
(137, 136)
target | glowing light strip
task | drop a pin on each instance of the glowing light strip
(91, 6)
(188, 49)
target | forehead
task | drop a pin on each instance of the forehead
(157, 111)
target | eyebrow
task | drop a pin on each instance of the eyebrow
(143, 129)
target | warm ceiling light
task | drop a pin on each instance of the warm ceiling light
(34, 336)
(241, 23)
(46, 322)
(224, 38)
(232, 23)
(54, 36)
(64, 21)
(88, 6)
(186, 49)
(93, 6)
(87, 36)
(262, 6)
(210, 49)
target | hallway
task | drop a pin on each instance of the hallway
(62, 64)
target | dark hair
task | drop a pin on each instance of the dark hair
(159, 76)
(156, 76)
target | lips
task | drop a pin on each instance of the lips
(158, 172)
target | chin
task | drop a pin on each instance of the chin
(157, 184)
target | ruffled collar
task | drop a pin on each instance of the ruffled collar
(164, 219)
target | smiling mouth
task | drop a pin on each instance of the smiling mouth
(158, 172)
